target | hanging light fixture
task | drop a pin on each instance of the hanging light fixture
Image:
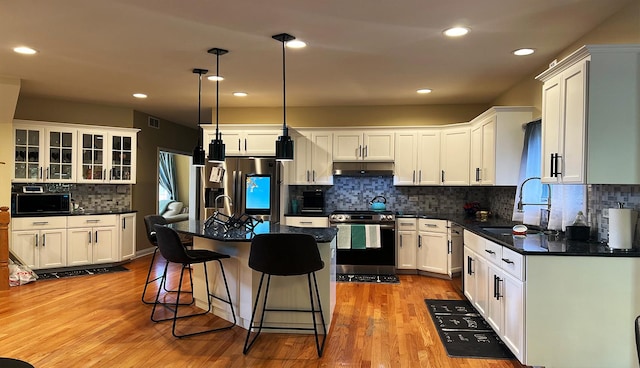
(216, 147)
(198, 151)
(284, 144)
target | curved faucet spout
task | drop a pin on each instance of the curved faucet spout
(222, 196)
(521, 204)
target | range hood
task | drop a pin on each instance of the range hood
(363, 169)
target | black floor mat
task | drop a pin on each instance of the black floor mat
(463, 331)
(82, 272)
(382, 279)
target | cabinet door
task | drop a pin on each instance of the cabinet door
(470, 274)
(261, 143)
(105, 245)
(551, 123)
(428, 172)
(234, 143)
(574, 83)
(476, 155)
(301, 172)
(513, 319)
(80, 246)
(127, 236)
(496, 297)
(92, 158)
(347, 146)
(322, 158)
(454, 259)
(487, 172)
(25, 245)
(433, 252)
(482, 285)
(378, 146)
(53, 248)
(123, 158)
(405, 172)
(455, 156)
(61, 155)
(28, 146)
(406, 250)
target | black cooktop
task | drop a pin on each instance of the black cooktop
(361, 212)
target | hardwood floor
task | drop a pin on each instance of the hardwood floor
(99, 321)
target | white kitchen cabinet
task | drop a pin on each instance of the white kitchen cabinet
(40, 242)
(92, 239)
(313, 160)
(248, 140)
(433, 245)
(417, 157)
(107, 156)
(455, 242)
(587, 126)
(127, 236)
(307, 221)
(44, 153)
(496, 141)
(454, 155)
(406, 243)
(355, 145)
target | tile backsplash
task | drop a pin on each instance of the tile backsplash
(92, 197)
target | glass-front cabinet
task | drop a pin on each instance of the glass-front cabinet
(44, 154)
(60, 152)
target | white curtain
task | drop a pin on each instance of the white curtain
(566, 200)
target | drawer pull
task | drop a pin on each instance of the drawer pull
(431, 225)
(405, 224)
(93, 221)
(306, 222)
(491, 252)
(40, 222)
(507, 260)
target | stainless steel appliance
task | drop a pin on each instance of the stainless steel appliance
(245, 186)
(40, 203)
(379, 261)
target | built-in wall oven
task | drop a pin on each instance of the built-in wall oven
(377, 254)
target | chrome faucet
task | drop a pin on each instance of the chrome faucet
(544, 222)
(215, 201)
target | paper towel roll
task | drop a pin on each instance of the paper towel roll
(622, 226)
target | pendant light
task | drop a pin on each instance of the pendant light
(198, 151)
(216, 147)
(284, 144)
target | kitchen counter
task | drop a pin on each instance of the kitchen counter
(531, 244)
(216, 231)
(316, 214)
(81, 213)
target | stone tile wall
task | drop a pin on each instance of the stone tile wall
(92, 197)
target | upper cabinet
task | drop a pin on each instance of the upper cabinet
(70, 153)
(497, 137)
(355, 145)
(454, 155)
(417, 157)
(248, 140)
(313, 158)
(591, 116)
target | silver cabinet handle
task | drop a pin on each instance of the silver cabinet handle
(44, 239)
(314, 176)
(414, 176)
(366, 151)
(40, 222)
(93, 221)
(36, 240)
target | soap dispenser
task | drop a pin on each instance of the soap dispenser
(579, 230)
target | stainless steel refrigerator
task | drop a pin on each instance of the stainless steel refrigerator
(247, 186)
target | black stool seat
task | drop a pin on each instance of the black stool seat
(173, 251)
(286, 255)
(14, 363)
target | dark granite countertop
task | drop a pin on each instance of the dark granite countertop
(318, 214)
(532, 244)
(216, 232)
(81, 213)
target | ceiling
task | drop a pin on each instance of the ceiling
(374, 52)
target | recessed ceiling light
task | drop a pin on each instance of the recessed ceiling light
(296, 44)
(424, 91)
(24, 50)
(456, 31)
(215, 78)
(240, 94)
(523, 52)
(139, 95)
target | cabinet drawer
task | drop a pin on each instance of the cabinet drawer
(408, 224)
(474, 242)
(303, 221)
(92, 220)
(492, 252)
(513, 263)
(38, 223)
(434, 226)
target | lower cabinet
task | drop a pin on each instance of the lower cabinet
(127, 236)
(432, 246)
(92, 239)
(494, 283)
(428, 245)
(406, 243)
(307, 221)
(40, 242)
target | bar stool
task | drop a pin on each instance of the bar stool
(14, 363)
(286, 255)
(149, 222)
(173, 251)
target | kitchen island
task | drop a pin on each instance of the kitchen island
(285, 292)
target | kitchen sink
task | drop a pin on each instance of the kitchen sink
(505, 231)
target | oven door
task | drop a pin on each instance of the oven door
(378, 261)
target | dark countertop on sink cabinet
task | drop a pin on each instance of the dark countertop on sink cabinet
(216, 232)
(80, 213)
(538, 244)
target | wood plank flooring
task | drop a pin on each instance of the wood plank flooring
(99, 321)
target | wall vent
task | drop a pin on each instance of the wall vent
(154, 122)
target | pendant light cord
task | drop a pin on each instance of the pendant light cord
(284, 92)
(199, 107)
(217, 90)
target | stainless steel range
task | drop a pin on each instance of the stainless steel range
(374, 257)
